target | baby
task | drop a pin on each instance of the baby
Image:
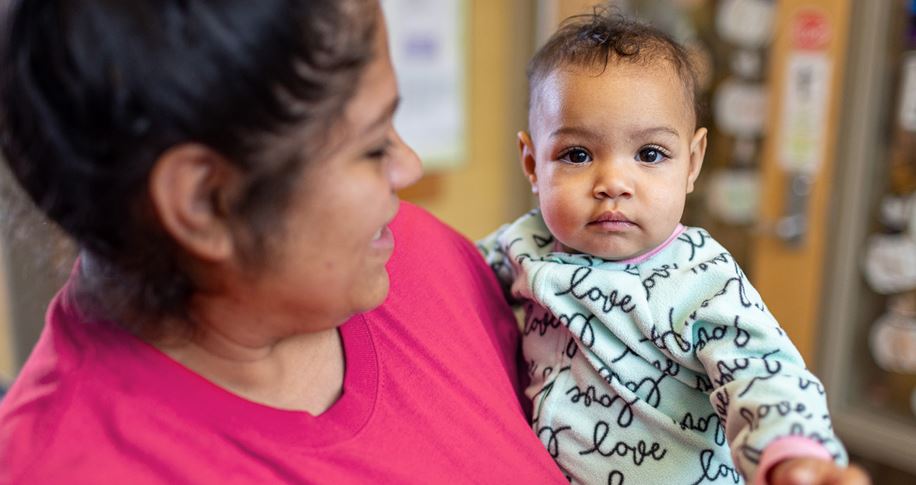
(652, 359)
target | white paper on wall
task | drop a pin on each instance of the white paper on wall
(427, 48)
(907, 114)
(804, 112)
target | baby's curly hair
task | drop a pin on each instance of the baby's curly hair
(595, 39)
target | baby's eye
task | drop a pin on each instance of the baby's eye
(576, 156)
(651, 155)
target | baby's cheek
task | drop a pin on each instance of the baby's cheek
(560, 222)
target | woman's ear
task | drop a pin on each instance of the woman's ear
(529, 163)
(189, 189)
(697, 153)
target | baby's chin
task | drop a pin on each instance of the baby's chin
(609, 254)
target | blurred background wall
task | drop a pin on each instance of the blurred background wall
(487, 188)
(809, 180)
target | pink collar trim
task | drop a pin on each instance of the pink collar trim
(642, 257)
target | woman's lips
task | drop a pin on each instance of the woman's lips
(383, 238)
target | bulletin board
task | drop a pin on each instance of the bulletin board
(427, 41)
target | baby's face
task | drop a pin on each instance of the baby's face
(613, 156)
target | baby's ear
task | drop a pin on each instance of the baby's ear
(526, 156)
(697, 153)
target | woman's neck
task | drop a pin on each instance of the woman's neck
(302, 372)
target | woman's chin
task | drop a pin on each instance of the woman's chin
(374, 294)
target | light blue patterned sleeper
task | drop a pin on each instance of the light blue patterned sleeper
(670, 370)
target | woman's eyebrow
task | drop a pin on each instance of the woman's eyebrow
(384, 116)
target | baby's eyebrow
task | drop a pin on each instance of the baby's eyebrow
(655, 130)
(576, 131)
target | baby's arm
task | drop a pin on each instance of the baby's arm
(773, 408)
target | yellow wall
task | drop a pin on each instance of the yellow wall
(790, 277)
(6, 330)
(488, 189)
(566, 8)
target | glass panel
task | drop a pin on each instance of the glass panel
(887, 330)
(869, 351)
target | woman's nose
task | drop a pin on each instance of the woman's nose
(612, 182)
(405, 167)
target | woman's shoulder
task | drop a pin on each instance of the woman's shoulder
(414, 222)
(74, 390)
(437, 276)
(42, 399)
(425, 244)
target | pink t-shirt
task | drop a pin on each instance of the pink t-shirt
(430, 395)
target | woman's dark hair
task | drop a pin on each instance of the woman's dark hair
(93, 92)
(595, 39)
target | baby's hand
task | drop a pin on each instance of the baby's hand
(812, 471)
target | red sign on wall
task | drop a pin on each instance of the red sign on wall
(810, 30)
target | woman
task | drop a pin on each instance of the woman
(229, 170)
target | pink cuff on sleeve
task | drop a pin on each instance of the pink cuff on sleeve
(786, 448)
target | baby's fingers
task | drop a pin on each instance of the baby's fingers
(813, 471)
